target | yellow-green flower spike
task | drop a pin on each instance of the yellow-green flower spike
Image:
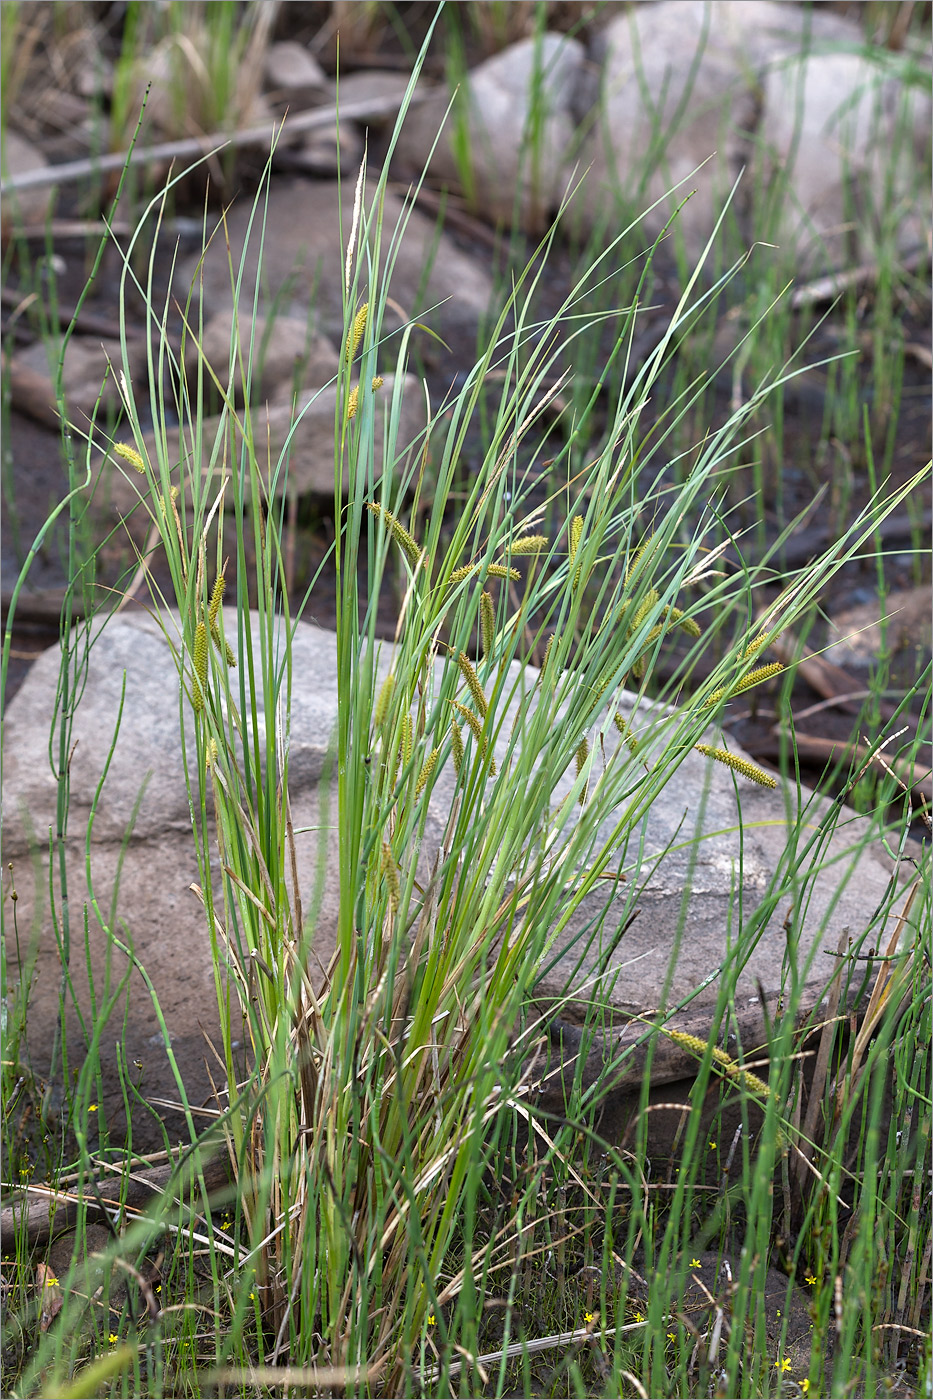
(426, 771)
(460, 574)
(500, 571)
(547, 651)
(487, 621)
(217, 594)
(472, 680)
(625, 730)
(581, 755)
(678, 616)
(383, 699)
(356, 330)
(405, 541)
(456, 745)
(637, 558)
(740, 765)
(731, 1067)
(353, 401)
(576, 534)
(127, 453)
(477, 730)
(760, 673)
(390, 870)
(755, 646)
(199, 658)
(407, 737)
(529, 544)
(644, 608)
(378, 382)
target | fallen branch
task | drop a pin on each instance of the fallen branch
(194, 146)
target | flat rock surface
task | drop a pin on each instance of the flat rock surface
(695, 868)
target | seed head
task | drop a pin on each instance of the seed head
(127, 453)
(529, 544)
(472, 680)
(487, 619)
(356, 330)
(740, 765)
(426, 771)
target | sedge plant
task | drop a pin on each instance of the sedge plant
(487, 771)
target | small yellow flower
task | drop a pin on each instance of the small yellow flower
(671, 1337)
(804, 1386)
(713, 1146)
(589, 1317)
(810, 1279)
(113, 1339)
(51, 1281)
(431, 1319)
(639, 1316)
(785, 1365)
(92, 1108)
(252, 1297)
(695, 1264)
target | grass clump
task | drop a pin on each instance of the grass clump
(408, 1218)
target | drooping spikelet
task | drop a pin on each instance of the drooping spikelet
(651, 598)
(407, 737)
(199, 658)
(678, 616)
(576, 534)
(725, 1062)
(210, 752)
(547, 651)
(427, 770)
(456, 744)
(353, 401)
(500, 571)
(625, 730)
(477, 730)
(390, 870)
(740, 765)
(405, 541)
(754, 646)
(487, 622)
(472, 680)
(637, 559)
(382, 699)
(378, 382)
(760, 673)
(529, 544)
(460, 574)
(217, 593)
(127, 453)
(356, 330)
(581, 755)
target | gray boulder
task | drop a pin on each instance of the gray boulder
(508, 143)
(697, 866)
(307, 224)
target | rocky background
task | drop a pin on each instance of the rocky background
(634, 108)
